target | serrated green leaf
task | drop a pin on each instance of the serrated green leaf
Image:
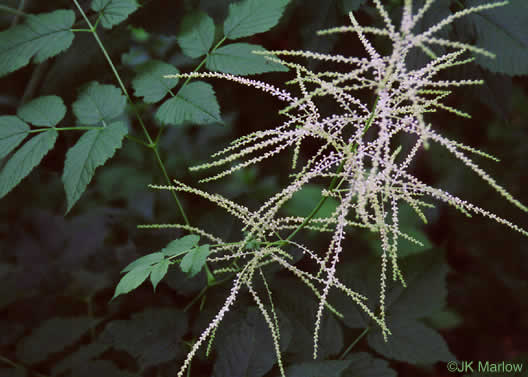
(193, 262)
(150, 83)
(250, 17)
(503, 31)
(411, 341)
(12, 132)
(44, 111)
(327, 368)
(113, 12)
(158, 272)
(195, 103)
(92, 149)
(41, 36)
(238, 59)
(98, 103)
(144, 261)
(25, 159)
(196, 34)
(52, 336)
(152, 337)
(363, 364)
(132, 280)
(180, 246)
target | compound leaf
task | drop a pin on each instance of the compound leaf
(250, 17)
(41, 36)
(196, 35)
(150, 83)
(113, 12)
(44, 111)
(503, 31)
(98, 103)
(132, 280)
(238, 59)
(195, 102)
(194, 261)
(180, 246)
(158, 272)
(144, 261)
(92, 149)
(12, 132)
(25, 159)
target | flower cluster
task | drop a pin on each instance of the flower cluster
(367, 174)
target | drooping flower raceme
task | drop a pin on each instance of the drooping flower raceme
(367, 174)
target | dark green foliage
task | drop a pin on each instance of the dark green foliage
(59, 273)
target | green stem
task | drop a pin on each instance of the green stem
(349, 348)
(196, 298)
(162, 167)
(204, 289)
(13, 11)
(150, 142)
(137, 140)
